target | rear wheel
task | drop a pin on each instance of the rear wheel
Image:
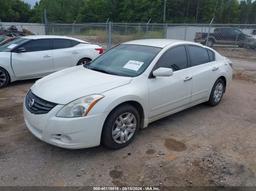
(84, 61)
(4, 78)
(121, 127)
(217, 92)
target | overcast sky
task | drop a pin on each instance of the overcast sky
(31, 2)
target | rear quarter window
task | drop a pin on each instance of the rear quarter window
(198, 55)
(211, 55)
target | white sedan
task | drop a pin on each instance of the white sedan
(37, 56)
(122, 91)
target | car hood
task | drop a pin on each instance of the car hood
(70, 84)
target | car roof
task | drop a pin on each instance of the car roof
(160, 43)
(36, 37)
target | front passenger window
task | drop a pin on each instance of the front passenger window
(175, 58)
(37, 45)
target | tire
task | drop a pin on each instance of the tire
(112, 134)
(217, 92)
(209, 43)
(4, 78)
(84, 61)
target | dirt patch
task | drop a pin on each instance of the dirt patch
(245, 75)
(150, 152)
(174, 145)
(4, 128)
(240, 53)
(115, 174)
(11, 111)
(217, 170)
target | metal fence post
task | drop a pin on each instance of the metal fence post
(46, 22)
(109, 35)
(185, 34)
(209, 31)
(166, 31)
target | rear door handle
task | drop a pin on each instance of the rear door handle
(215, 69)
(47, 56)
(188, 78)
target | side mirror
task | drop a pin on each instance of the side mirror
(20, 50)
(163, 72)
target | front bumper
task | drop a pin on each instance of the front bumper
(70, 133)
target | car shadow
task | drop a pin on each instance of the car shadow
(22, 82)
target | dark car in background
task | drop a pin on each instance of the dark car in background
(222, 35)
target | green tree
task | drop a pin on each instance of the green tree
(14, 11)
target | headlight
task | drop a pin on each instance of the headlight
(79, 107)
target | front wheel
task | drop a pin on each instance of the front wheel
(84, 61)
(217, 92)
(121, 127)
(4, 78)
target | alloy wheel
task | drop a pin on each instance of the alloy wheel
(124, 128)
(218, 92)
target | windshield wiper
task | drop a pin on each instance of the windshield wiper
(104, 71)
(101, 70)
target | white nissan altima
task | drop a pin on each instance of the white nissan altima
(37, 56)
(125, 89)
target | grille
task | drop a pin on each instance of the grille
(37, 105)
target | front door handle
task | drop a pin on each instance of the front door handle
(47, 56)
(188, 78)
(215, 69)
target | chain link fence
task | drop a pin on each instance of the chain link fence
(237, 42)
(109, 34)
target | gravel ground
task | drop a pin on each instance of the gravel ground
(244, 69)
(202, 146)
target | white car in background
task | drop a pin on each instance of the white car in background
(125, 89)
(37, 56)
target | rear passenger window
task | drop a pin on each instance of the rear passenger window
(211, 55)
(64, 43)
(198, 55)
(175, 58)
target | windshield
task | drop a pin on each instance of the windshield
(12, 44)
(125, 60)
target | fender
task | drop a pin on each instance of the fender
(6, 63)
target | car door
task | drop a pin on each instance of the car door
(170, 93)
(64, 53)
(33, 59)
(204, 70)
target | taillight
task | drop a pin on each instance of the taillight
(100, 50)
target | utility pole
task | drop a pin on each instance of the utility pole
(164, 15)
(197, 10)
(46, 22)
